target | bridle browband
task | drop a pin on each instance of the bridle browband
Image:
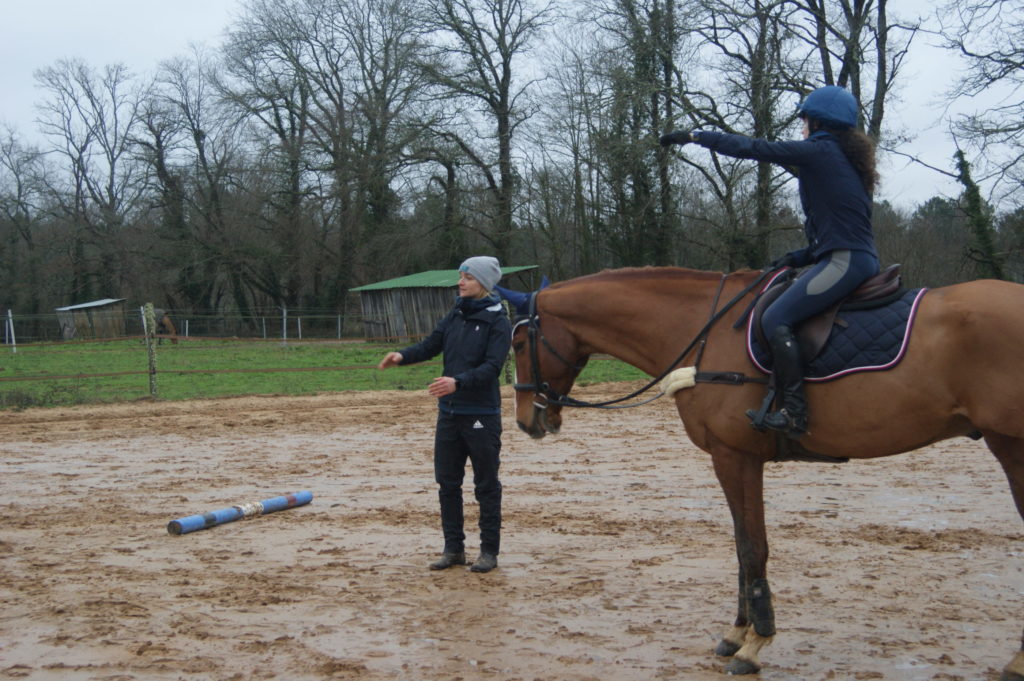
(551, 396)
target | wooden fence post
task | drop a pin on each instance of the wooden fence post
(149, 326)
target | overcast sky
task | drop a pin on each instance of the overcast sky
(140, 33)
(35, 34)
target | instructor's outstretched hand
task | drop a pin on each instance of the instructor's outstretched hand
(392, 359)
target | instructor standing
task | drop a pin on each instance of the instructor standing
(475, 338)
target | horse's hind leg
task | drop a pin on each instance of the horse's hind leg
(1010, 453)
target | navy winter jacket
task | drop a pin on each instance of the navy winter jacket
(835, 203)
(475, 344)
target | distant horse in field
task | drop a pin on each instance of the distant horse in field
(165, 326)
(960, 375)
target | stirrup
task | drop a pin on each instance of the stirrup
(794, 427)
(757, 417)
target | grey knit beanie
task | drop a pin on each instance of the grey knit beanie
(484, 269)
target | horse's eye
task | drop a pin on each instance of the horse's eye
(518, 346)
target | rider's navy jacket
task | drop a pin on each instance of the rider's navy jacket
(475, 338)
(835, 203)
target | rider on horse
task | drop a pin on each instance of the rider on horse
(835, 167)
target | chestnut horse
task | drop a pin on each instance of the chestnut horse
(961, 375)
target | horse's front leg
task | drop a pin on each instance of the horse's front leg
(742, 478)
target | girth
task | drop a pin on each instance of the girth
(813, 333)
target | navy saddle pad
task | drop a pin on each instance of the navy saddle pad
(861, 340)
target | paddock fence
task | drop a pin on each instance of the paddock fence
(278, 324)
(215, 356)
(195, 356)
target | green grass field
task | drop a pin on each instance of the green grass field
(81, 372)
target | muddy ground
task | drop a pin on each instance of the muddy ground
(617, 562)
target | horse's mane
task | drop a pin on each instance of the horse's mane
(642, 273)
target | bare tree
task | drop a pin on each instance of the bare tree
(637, 70)
(475, 58)
(568, 162)
(333, 82)
(754, 47)
(21, 196)
(858, 47)
(194, 152)
(89, 118)
(989, 36)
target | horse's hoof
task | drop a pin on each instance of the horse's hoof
(726, 648)
(1010, 675)
(738, 665)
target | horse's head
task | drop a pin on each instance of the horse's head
(548, 360)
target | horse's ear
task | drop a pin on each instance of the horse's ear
(519, 300)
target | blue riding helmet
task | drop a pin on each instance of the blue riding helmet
(832, 105)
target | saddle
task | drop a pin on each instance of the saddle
(813, 333)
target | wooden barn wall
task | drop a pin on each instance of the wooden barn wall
(93, 322)
(404, 314)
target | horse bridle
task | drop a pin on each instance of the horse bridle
(541, 388)
(551, 397)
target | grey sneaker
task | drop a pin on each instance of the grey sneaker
(485, 563)
(447, 560)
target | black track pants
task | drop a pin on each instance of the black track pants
(477, 438)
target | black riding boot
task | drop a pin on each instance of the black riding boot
(791, 419)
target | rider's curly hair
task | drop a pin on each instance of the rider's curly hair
(859, 149)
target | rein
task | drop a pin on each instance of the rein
(553, 397)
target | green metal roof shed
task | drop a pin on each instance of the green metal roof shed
(411, 306)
